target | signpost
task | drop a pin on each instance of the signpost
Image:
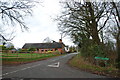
(101, 58)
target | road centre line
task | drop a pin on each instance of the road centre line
(19, 70)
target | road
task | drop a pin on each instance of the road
(51, 68)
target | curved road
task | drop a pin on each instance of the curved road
(51, 68)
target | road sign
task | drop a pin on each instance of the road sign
(101, 58)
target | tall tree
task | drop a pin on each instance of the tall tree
(84, 18)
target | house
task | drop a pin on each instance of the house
(45, 47)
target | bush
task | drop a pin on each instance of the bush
(23, 51)
(93, 50)
(56, 52)
(49, 51)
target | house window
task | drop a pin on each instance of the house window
(42, 50)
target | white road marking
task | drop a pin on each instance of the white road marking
(55, 64)
(0, 75)
(19, 70)
(10, 72)
(24, 68)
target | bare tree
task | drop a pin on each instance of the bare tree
(84, 18)
(116, 13)
(14, 11)
(86, 23)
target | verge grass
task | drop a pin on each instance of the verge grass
(78, 62)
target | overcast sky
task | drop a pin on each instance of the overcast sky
(41, 25)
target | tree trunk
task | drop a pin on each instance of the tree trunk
(118, 51)
(118, 35)
(95, 36)
(94, 24)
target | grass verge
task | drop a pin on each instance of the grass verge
(13, 59)
(78, 62)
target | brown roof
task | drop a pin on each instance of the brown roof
(43, 45)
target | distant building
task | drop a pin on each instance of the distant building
(45, 47)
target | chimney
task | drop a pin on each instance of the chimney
(60, 40)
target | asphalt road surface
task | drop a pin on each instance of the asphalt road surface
(51, 68)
